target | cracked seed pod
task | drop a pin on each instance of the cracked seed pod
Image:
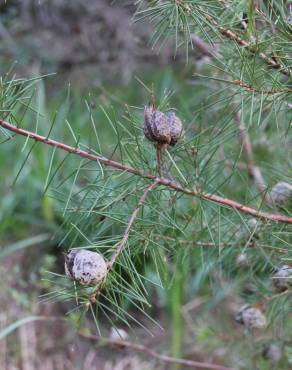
(156, 126)
(281, 194)
(272, 353)
(282, 279)
(251, 317)
(86, 267)
(175, 126)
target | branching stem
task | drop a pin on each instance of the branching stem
(120, 247)
(132, 219)
(160, 180)
(141, 348)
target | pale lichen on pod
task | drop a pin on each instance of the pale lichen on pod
(281, 194)
(251, 317)
(282, 279)
(85, 267)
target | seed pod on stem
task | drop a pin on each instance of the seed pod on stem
(281, 195)
(175, 126)
(156, 126)
(85, 267)
(162, 129)
(282, 279)
(251, 317)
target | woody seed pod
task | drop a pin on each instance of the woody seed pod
(175, 126)
(282, 279)
(281, 194)
(160, 128)
(272, 353)
(251, 317)
(156, 127)
(86, 267)
(248, 229)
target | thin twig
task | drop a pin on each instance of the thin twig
(132, 219)
(160, 180)
(159, 159)
(235, 37)
(120, 247)
(254, 171)
(275, 296)
(150, 352)
(251, 88)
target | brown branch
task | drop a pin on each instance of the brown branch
(120, 247)
(160, 180)
(253, 170)
(250, 87)
(150, 352)
(159, 160)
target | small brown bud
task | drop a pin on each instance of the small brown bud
(86, 267)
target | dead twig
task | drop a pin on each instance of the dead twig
(275, 296)
(251, 88)
(150, 352)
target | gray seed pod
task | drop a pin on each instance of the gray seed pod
(282, 279)
(175, 126)
(156, 127)
(272, 353)
(69, 262)
(86, 267)
(251, 317)
(281, 194)
(247, 229)
(242, 260)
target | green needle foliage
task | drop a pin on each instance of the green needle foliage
(180, 247)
